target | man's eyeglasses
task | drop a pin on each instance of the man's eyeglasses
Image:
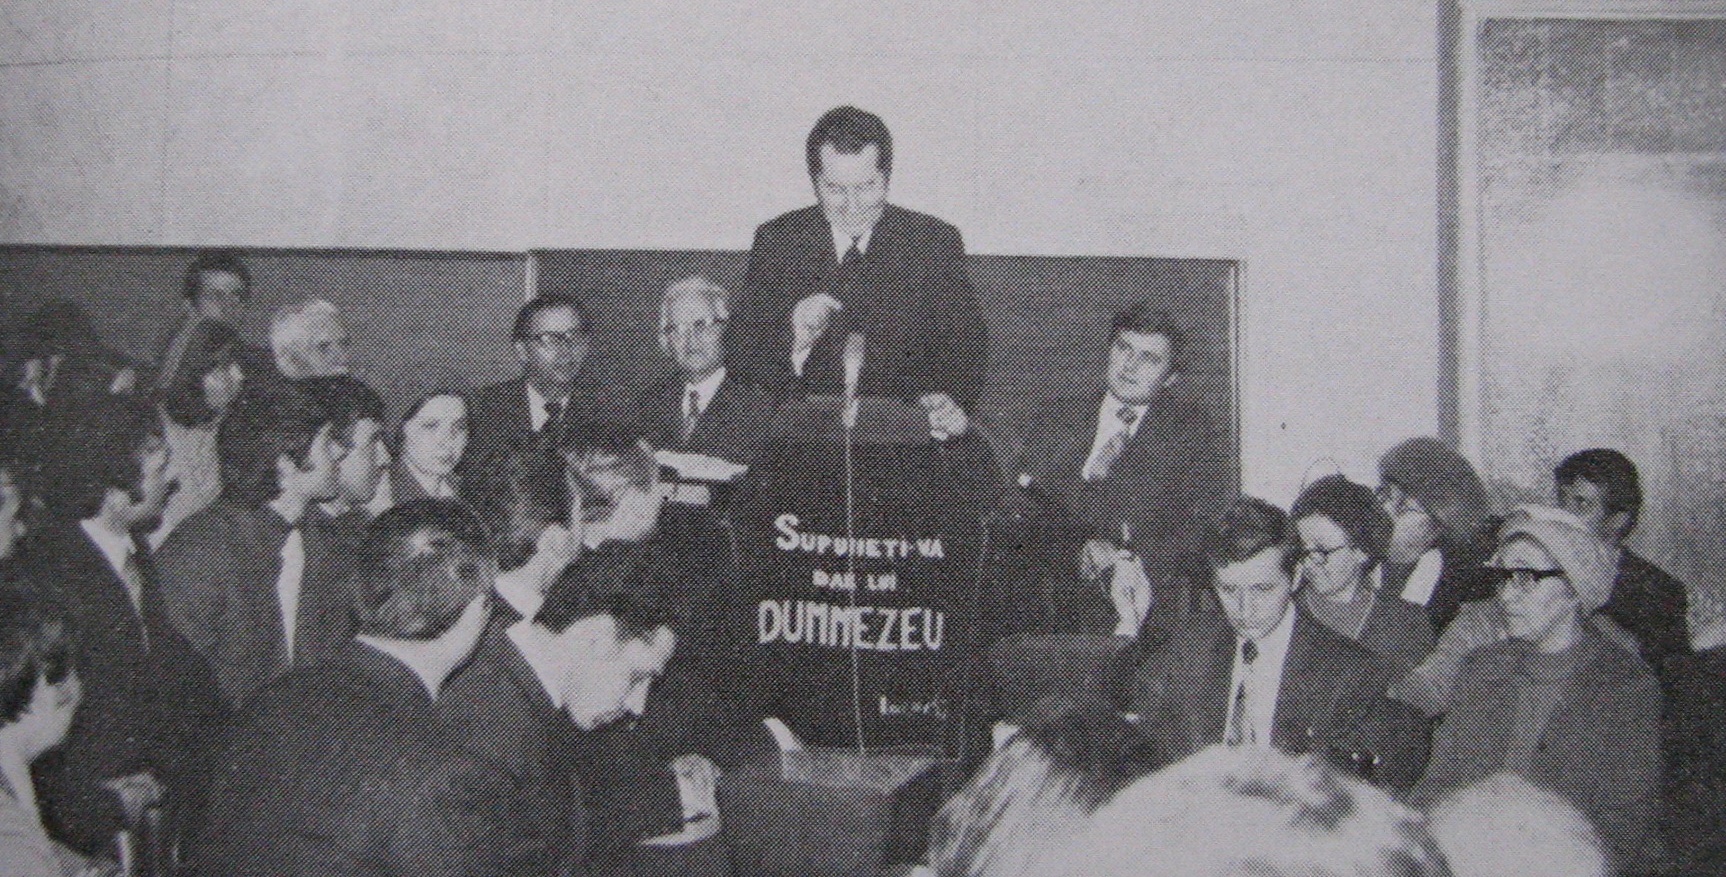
(704, 327)
(1524, 579)
(1318, 555)
(571, 338)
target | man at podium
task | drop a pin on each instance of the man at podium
(854, 264)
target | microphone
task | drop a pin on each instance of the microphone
(853, 374)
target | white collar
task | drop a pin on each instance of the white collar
(537, 405)
(538, 647)
(706, 388)
(842, 241)
(1273, 646)
(516, 587)
(1108, 411)
(117, 547)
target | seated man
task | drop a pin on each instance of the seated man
(1135, 468)
(1601, 487)
(344, 767)
(703, 409)
(251, 585)
(1272, 675)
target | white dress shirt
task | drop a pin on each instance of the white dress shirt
(117, 549)
(704, 390)
(1263, 679)
(842, 242)
(1109, 422)
(537, 408)
(288, 583)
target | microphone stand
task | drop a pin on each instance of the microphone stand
(848, 419)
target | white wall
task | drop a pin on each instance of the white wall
(1297, 137)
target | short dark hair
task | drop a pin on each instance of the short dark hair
(1143, 318)
(36, 645)
(540, 304)
(520, 494)
(609, 462)
(1615, 476)
(1247, 527)
(347, 400)
(850, 130)
(217, 262)
(265, 423)
(214, 345)
(88, 449)
(420, 564)
(638, 616)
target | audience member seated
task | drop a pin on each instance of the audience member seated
(554, 403)
(431, 440)
(148, 697)
(344, 767)
(1035, 792)
(1343, 533)
(580, 663)
(1429, 686)
(39, 694)
(1505, 826)
(252, 585)
(192, 406)
(1240, 811)
(1558, 703)
(1134, 467)
(1441, 530)
(1271, 674)
(216, 287)
(1695, 748)
(308, 340)
(702, 408)
(1601, 487)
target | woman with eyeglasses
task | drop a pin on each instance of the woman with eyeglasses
(1342, 533)
(1558, 702)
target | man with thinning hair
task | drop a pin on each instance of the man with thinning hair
(309, 340)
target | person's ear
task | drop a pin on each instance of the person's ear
(285, 470)
(520, 351)
(1618, 524)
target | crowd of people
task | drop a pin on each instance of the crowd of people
(258, 619)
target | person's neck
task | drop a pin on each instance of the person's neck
(337, 507)
(551, 392)
(693, 378)
(112, 522)
(16, 753)
(530, 580)
(291, 506)
(431, 661)
(1560, 639)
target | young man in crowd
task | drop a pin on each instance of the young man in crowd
(254, 588)
(1272, 675)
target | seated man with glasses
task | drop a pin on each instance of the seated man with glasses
(1557, 703)
(703, 408)
(552, 403)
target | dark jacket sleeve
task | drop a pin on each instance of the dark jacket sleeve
(955, 340)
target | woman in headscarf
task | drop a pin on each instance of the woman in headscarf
(1558, 702)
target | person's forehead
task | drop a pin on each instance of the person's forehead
(690, 308)
(1581, 488)
(441, 407)
(1264, 567)
(553, 319)
(1524, 552)
(219, 280)
(856, 167)
(1317, 527)
(1144, 342)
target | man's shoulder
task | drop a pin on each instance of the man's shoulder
(916, 222)
(1330, 652)
(1635, 567)
(799, 221)
(211, 529)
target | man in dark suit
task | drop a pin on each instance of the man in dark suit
(1273, 675)
(147, 695)
(344, 767)
(250, 581)
(534, 688)
(1601, 486)
(1138, 470)
(854, 263)
(550, 404)
(703, 408)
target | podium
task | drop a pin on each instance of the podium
(858, 602)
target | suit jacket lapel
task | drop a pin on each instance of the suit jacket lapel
(1210, 684)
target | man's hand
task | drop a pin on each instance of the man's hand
(1097, 558)
(698, 788)
(946, 419)
(809, 319)
(137, 793)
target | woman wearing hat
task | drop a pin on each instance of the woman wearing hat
(1343, 533)
(1557, 703)
(1438, 507)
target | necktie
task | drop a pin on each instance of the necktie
(1110, 452)
(851, 255)
(691, 411)
(1240, 730)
